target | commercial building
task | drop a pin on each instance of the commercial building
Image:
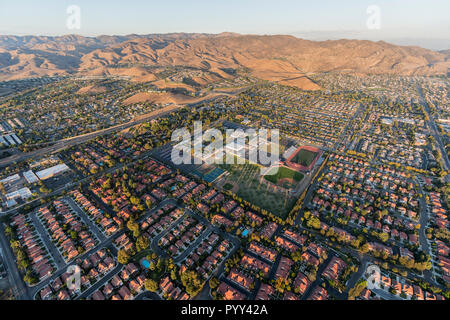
(52, 171)
(10, 179)
(30, 176)
(23, 193)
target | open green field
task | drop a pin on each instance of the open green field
(252, 188)
(304, 157)
(283, 173)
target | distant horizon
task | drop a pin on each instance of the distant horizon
(411, 42)
(404, 22)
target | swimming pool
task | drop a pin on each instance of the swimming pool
(145, 263)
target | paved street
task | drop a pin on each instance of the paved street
(436, 134)
(45, 237)
(69, 142)
(15, 278)
(101, 282)
(85, 219)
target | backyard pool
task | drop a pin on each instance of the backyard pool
(145, 263)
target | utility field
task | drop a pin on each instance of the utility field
(304, 157)
(250, 185)
(284, 177)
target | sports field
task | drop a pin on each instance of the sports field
(284, 177)
(250, 186)
(304, 157)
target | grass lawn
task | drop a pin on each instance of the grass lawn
(254, 190)
(304, 157)
(142, 254)
(153, 274)
(228, 186)
(283, 173)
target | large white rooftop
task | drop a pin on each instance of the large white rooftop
(50, 172)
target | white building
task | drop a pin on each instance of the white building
(30, 176)
(10, 179)
(52, 171)
(16, 138)
(23, 193)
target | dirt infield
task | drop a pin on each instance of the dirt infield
(287, 183)
(283, 175)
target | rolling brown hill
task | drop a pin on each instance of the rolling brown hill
(166, 98)
(284, 59)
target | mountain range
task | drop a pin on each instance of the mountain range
(286, 59)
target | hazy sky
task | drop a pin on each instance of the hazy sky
(316, 19)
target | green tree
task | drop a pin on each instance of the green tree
(142, 243)
(191, 281)
(151, 285)
(214, 282)
(122, 256)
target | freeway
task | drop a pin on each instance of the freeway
(20, 289)
(72, 141)
(80, 182)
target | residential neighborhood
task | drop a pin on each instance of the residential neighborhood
(193, 167)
